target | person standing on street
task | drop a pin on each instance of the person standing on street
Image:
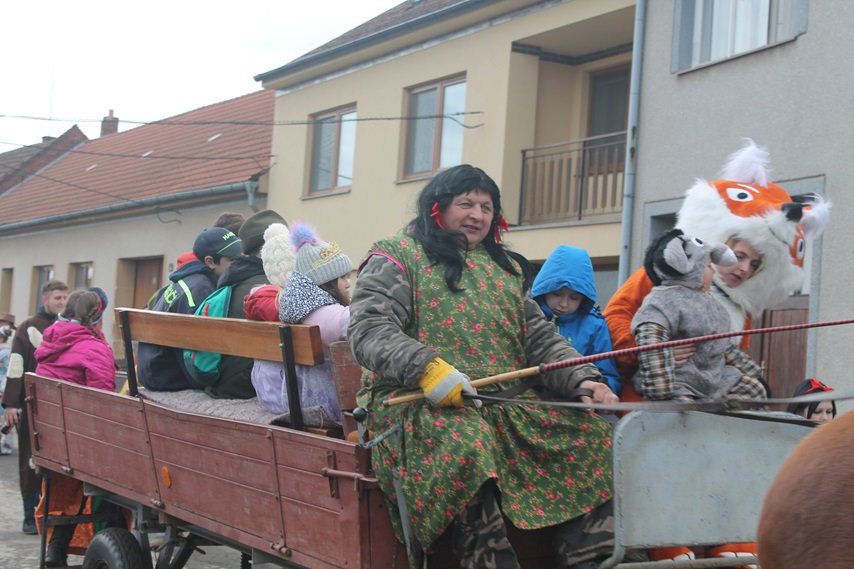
(23, 360)
(7, 330)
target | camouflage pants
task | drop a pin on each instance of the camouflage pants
(480, 535)
(586, 537)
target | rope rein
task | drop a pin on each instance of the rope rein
(548, 367)
(687, 341)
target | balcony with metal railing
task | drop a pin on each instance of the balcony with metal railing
(574, 181)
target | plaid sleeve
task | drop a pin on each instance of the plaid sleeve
(751, 385)
(656, 366)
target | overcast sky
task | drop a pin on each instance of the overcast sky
(76, 60)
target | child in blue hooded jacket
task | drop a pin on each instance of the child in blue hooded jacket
(565, 290)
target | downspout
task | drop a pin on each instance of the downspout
(631, 143)
(251, 187)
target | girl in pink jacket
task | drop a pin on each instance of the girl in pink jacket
(74, 348)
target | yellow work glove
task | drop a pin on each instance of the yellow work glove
(443, 384)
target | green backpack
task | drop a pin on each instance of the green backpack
(204, 367)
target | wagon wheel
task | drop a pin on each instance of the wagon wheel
(113, 548)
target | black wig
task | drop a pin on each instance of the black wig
(443, 245)
(811, 385)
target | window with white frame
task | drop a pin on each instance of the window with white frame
(82, 274)
(434, 138)
(712, 30)
(333, 150)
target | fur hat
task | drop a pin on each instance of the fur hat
(319, 261)
(745, 205)
(278, 255)
(251, 233)
(681, 260)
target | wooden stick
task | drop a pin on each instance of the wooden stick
(519, 373)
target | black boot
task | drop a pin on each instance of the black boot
(57, 550)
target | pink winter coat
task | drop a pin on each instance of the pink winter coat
(73, 353)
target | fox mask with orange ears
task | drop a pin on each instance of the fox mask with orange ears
(745, 205)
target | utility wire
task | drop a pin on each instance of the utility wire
(178, 122)
(153, 155)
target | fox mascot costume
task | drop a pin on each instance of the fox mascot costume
(743, 205)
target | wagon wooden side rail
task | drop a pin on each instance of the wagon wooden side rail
(285, 496)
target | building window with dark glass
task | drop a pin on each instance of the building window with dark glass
(333, 150)
(434, 138)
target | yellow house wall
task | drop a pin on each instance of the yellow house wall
(503, 87)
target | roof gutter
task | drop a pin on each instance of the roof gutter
(250, 187)
(308, 61)
(631, 143)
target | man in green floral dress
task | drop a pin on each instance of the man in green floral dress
(435, 304)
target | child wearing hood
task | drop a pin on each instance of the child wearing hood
(74, 349)
(565, 290)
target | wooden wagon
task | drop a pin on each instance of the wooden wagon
(286, 496)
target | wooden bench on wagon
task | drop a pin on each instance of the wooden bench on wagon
(283, 496)
(270, 341)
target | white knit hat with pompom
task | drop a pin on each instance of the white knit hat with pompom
(278, 254)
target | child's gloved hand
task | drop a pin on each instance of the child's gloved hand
(444, 385)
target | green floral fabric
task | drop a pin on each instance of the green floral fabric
(550, 465)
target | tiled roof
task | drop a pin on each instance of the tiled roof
(400, 14)
(17, 165)
(206, 148)
(396, 21)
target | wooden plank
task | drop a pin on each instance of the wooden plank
(50, 443)
(237, 468)
(110, 406)
(122, 435)
(317, 532)
(312, 457)
(224, 435)
(229, 336)
(384, 549)
(308, 487)
(107, 463)
(346, 374)
(240, 506)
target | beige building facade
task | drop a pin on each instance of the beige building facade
(522, 85)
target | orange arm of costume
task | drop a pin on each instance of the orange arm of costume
(619, 313)
(745, 340)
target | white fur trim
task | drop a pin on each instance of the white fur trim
(278, 255)
(16, 366)
(35, 336)
(748, 165)
(816, 216)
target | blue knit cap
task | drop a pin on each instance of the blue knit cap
(102, 296)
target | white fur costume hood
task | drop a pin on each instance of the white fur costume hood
(745, 205)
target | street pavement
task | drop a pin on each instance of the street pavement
(21, 551)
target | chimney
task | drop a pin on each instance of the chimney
(46, 139)
(109, 124)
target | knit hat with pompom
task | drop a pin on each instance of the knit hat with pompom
(103, 301)
(319, 261)
(277, 254)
